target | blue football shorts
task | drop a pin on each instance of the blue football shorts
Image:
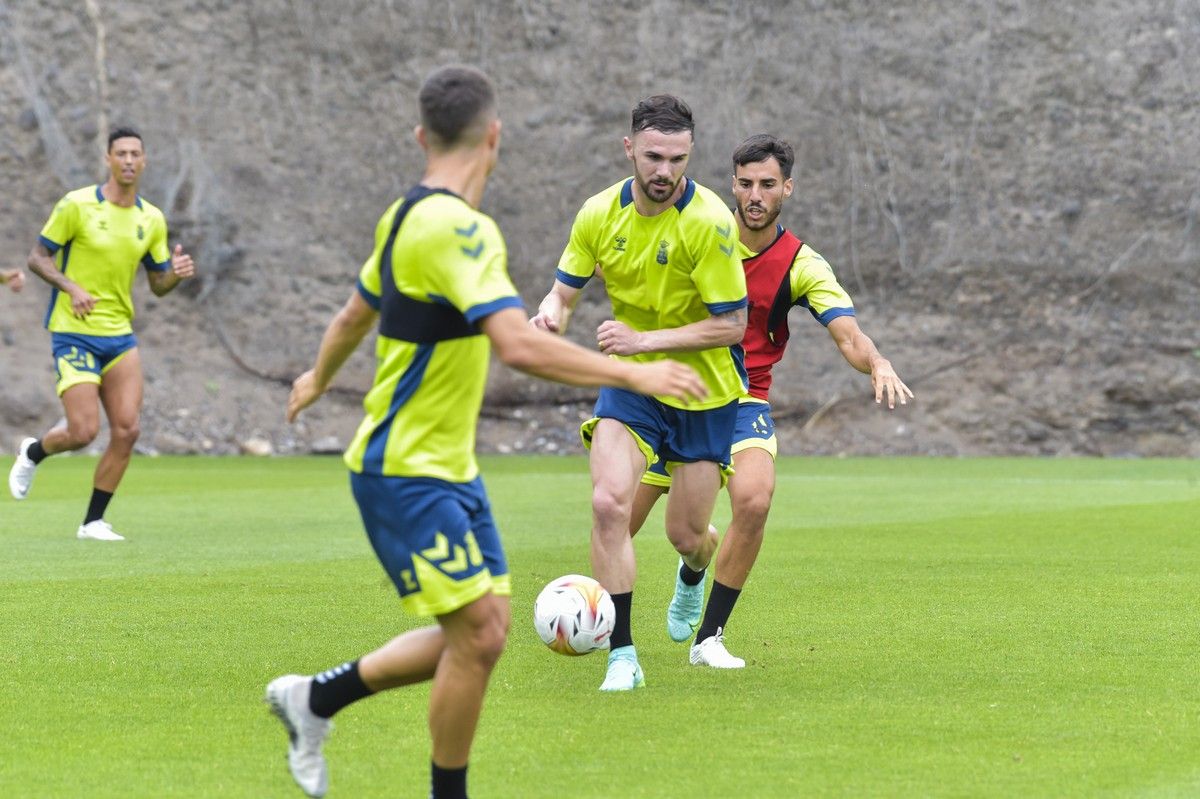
(754, 429)
(668, 435)
(436, 540)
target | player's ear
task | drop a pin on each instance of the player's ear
(419, 134)
(788, 185)
(493, 134)
(628, 148)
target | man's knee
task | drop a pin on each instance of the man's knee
(126, 434)
(751, 510)
(610, 509)
(81, 432)
(486, 642)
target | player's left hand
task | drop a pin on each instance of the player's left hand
(304, 393)
(618, 338)
(181, 263)
(885, 381)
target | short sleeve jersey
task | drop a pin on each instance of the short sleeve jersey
(814, 285)
(665, 271)
(448, 267)
(99, 246)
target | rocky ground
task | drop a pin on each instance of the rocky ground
(1008, 190)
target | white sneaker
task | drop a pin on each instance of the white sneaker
(288, 698)
(712, 652)
(98, 530)
(20, 477)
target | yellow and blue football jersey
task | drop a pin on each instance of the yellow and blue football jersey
(665, 271)
(439, 267)
(99, 246)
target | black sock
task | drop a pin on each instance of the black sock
(332, 690)
(36, 453)
(622, 635)
(97, 506)
(448, 783)
(721, 600)
(688, 576)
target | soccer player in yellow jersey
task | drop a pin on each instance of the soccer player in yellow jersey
(89, 252)
(437, 286)
(781, 273)
(667, 250)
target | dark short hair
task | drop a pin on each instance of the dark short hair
(452, 99)
(664, 113)
(123, 133)
(762, 146)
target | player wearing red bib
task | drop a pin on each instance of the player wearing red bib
(781, 272)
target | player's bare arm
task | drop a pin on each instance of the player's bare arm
(554, 312)
(860, 352)
(182, 267)
(41, 263)
(530, 350)
(719, 330)
(13, 278)
(345, 332)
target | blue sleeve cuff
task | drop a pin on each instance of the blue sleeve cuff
(716, 308)
(831, 314)
(52, 246)
(573, 281)
(478, 312)
(370, 298)
(154, 266)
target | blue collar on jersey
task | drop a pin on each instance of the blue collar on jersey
(689, 192)
(100, 196)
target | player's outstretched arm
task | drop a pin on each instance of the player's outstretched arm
(346, 330)
(182, 267)
(859, 351)
(719, 330)
(13, 278)
(530, 350)
(555, 310)
(41, 263)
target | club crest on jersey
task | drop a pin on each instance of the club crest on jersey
(104, 224)
(662, 253)
(141, 233)
(619, 243)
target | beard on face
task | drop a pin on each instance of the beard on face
(657, 192)
(770, 214)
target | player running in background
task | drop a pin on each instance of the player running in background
(667, 249)
(781, 272)
(99, 235)
(13, 278)
(438, 287)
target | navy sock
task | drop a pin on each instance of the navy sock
(97, 506)
(448, 783)
(332, 690)
(689, 576)
(35, 452)
(720, 604)
(622, 635)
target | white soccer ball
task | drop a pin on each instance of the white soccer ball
(574, 615)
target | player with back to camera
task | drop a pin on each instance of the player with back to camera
(781, 273)
(89, 252)
(667, 248)
(437, 285)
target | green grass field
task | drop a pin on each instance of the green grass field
(913, 628)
